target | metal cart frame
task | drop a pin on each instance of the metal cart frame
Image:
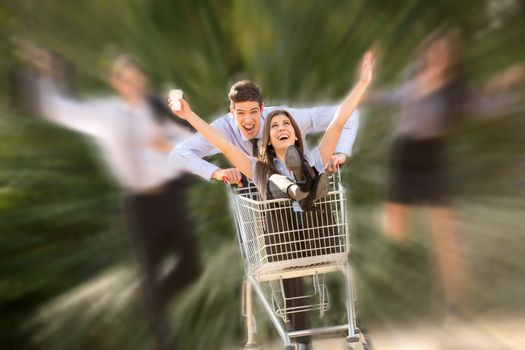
(278, 241)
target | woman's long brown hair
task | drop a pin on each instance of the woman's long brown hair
(265, 166)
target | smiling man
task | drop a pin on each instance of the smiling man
(243, 127)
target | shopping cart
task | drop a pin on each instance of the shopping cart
(279, 242)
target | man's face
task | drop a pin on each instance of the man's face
(130, 83)
(248, 117)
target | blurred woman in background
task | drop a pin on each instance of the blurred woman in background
(418, 174)
(433, 100)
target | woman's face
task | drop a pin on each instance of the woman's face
(282, 132)
(439, 56)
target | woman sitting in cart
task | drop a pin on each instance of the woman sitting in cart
(280, 170)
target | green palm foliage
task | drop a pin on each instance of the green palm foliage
(67, 275)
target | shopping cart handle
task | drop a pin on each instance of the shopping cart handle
(228, 183)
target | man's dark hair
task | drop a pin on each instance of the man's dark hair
(245, 90)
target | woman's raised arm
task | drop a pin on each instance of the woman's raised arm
(345, 110)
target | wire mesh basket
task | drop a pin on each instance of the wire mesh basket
(275, 235)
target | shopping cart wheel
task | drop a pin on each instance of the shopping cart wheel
(289, 347)
(364, 343)
(353, 343)
(251, 346)
(352, 340)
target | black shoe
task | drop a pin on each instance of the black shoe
(300, 169)
(319, 189)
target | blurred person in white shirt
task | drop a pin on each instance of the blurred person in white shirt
(134, 132)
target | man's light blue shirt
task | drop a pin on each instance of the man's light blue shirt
(189, 153)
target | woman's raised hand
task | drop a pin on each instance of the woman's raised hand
(367, 68)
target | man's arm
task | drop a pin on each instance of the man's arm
(189, 154)
(80, 116)
(54, 106)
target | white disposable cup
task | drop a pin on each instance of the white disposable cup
(175, 96)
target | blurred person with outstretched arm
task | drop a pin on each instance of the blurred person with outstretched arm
(134, 132)
(432, 101)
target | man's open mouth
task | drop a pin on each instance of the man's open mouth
(249, 128)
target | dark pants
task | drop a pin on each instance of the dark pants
(160, 227)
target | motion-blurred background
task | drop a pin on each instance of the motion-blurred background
(67, 277)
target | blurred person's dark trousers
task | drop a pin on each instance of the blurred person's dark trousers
(160, 227)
